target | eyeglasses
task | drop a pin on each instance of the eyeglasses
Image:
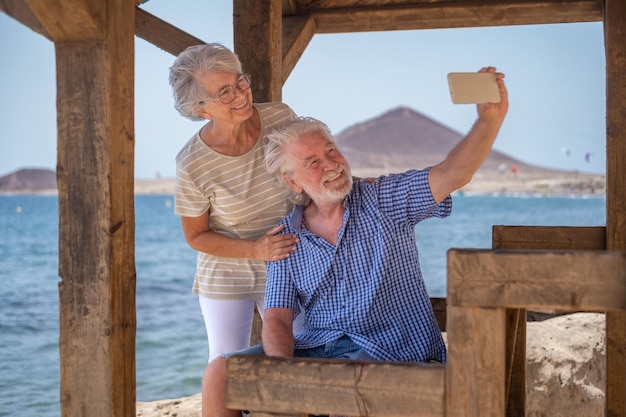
(227, 94)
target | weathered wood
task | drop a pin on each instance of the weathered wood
(468, 13)
(563, 280)
(475, 370)
(258, 43)
(440, 309)
(20, 11)
(71, 20)
(615, 49)
(515, 376)
(289, 386)
(549, 237)
(95, 160)
(162, 34)
(534, 237)
(297, 33)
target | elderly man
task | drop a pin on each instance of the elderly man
(355, 272)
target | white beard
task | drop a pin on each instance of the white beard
(323, 195)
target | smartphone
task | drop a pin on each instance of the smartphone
(473, 87)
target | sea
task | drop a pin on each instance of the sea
(171, 340)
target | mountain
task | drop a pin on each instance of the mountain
(29, 180)
(403, 138)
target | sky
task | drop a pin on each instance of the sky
(555, 75)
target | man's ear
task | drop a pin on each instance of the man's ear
(292, 184)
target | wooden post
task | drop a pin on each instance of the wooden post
(258, 43)
(615, 47)
(95, 175)
(475, 371)
(257, 36)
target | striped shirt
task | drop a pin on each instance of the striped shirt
(243, 201)
(369, 286)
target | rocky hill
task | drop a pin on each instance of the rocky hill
(35, 180)
(403, 138)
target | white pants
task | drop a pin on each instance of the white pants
(229, 323)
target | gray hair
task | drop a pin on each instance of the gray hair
(278, 162)
(189, 96)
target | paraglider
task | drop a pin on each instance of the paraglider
(587, 156)
(565, 151)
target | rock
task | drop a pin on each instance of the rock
(565, 373)
(566, 369)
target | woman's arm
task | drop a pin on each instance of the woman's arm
(271, 247)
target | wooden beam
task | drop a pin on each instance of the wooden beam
(95, 171)
(71, 20)
(297, 33)
(562, 280)
(258, 43)
(549, 237)
(20, 11)
(162, 34)
(469, 13)
(475, 369)
(317, 386)
(615, 50)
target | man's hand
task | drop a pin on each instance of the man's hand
(495, 111)
(462, 162)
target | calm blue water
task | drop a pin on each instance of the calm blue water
(171, 344)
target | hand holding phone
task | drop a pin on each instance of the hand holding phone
(473, 87)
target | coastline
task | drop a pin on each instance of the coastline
(537, 184)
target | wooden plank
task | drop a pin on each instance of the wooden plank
(475, 370)
(475, 13)
(297, 33)
(121, 173)
(615, 50)
(71, 20)
(317, 386)
(20, 11)
(95, 160)
(162, 34)
(440, 309)
(563, 280)
(534, 237)
(515, 376)
(258, 43)
(549, 237)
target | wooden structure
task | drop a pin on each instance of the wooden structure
(95, 106)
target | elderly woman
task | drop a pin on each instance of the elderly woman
(228, 204)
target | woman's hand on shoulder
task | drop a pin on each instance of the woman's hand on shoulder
(274, 246)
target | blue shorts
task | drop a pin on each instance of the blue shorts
(342, 348)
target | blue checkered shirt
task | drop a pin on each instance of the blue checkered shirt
(369, 286)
